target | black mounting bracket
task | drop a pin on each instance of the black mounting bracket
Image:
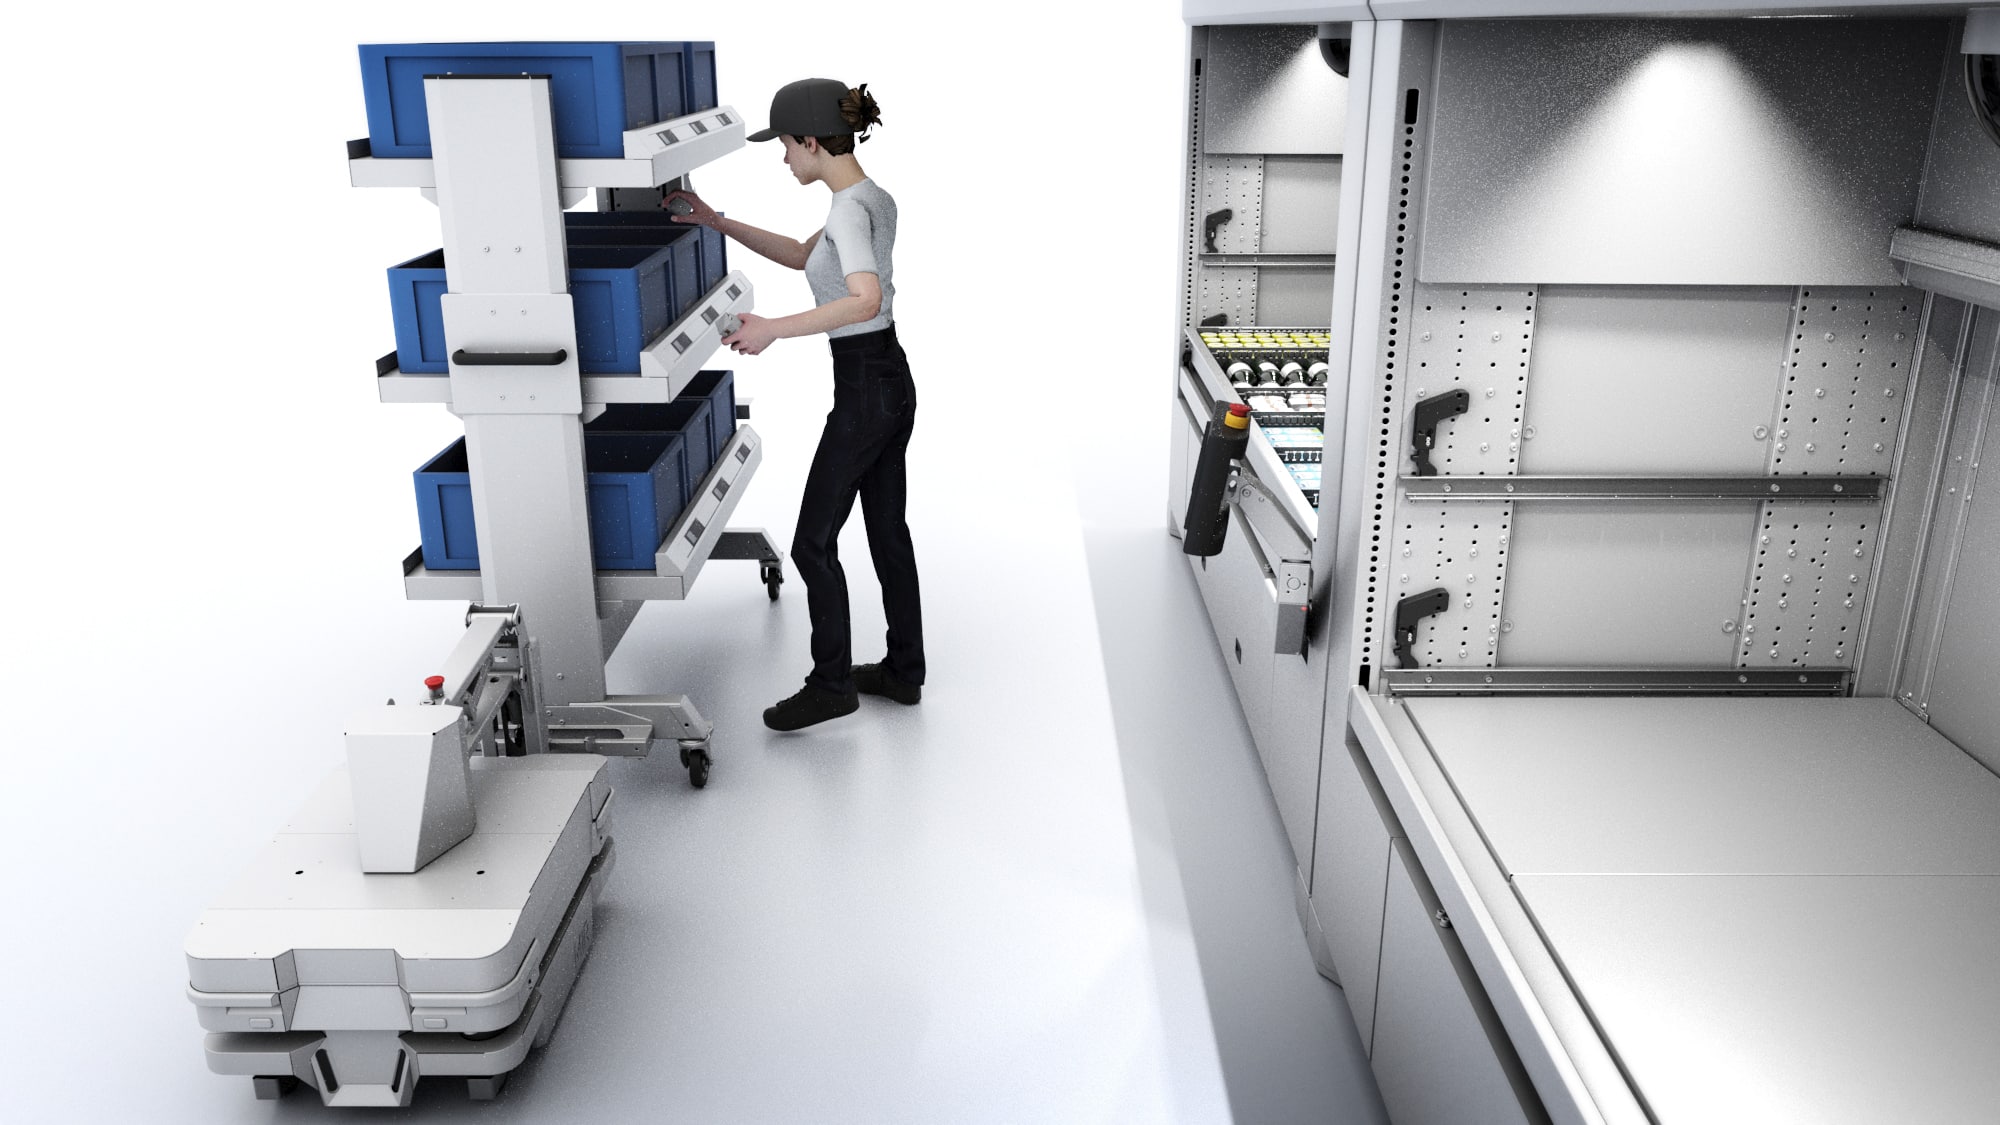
(1412, 610)
(1424, 425)
(1215, 321)
(1211, 224)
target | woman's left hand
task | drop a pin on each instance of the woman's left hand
(754, 336)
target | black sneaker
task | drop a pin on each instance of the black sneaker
(873, 679)
(811, 705)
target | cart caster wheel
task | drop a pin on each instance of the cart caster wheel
(697, 767)
(774, 577)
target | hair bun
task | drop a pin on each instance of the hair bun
(858, 109)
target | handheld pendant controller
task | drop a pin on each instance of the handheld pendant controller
(1226, 440)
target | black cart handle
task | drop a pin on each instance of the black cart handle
(509, 359)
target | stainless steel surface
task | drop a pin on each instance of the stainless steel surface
(1695, 152)
(1438, 1049)
(1612, 681)
(1957, 267)
(1726, 786)
(1640, 488)
(1268, 91)
(1477, 338)
(469, 657)
(1350, 873)
(1233, 183)
(1961, 700)
(1272, 518)
(1339, 554)
(1846, 375)
(1292, 296)
(1462, 548)
(1886, 625)
(1650, 380)
(1237, 592)
(1229, 292)
(1810, 585)
(1950, 510)
(1616, 585)
(1293, 740)
(1755, 998)
(1271, 261)
(1576, 1075)
(1301, 204)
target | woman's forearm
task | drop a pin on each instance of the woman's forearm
(789, 252)
(851, 309)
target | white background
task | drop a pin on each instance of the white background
(205, 506)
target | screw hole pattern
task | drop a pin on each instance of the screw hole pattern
(1479, 338)
(1462, 548)
(1389, 450)
(1808, 585)
(1190, 263)
(1846, 369)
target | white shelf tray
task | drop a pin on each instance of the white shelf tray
(665, 366)
(654, 155)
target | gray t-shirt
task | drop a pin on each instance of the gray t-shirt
(860, 231)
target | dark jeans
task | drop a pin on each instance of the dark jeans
(861, 454)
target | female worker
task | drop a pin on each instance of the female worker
(862, 449)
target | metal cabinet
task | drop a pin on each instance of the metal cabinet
(1664, 356)
(1350, 877)
(1440, 1056)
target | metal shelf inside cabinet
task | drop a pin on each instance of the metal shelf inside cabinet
(1865, 488)
(681, 554)
(665, 366)
(1615, 681)
(654, 154)
(1282, 261)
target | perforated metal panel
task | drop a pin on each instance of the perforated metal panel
(1477, 337)
(1389, 453)
(1809, 585)
(1842, 402)
(1463, 548)
(1235, 183)
(1231, 291)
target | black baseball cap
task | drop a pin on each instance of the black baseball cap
(809, 107)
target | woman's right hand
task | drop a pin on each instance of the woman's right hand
(703, 215)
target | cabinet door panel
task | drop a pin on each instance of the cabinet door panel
(1440, 1057)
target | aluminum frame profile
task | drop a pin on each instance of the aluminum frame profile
(1964, 268)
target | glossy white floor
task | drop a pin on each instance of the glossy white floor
(1055, 891)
